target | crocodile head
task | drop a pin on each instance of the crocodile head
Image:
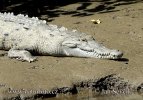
(88, 47)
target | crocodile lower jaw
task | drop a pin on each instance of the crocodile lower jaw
(110, 54)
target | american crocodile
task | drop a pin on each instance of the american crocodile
(22, 36)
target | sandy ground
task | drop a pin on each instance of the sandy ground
(121, 30)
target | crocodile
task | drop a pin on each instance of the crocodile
(23, 36)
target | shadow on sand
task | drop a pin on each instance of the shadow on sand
(51, 8)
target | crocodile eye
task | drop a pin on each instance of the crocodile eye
(84, 40)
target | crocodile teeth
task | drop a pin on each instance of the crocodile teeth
(100, 56)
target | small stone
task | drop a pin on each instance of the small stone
(126, 63)
(34, 67)
(95, 21)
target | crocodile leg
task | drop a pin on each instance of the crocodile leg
(22, 55)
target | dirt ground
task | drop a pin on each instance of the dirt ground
(120, 29)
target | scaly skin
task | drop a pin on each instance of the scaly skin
(22, 35)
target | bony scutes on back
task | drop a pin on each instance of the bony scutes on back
(21, 19)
